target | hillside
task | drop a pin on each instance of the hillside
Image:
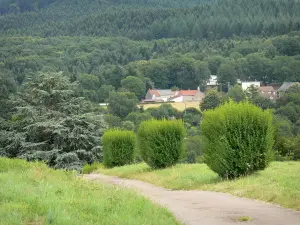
(34, 194)
(145, 19)
(60, 59)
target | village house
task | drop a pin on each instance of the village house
(188, 96)
(212, 83)
(166, 95)
(283, 88)
(159, 95)
(247, 84)
(268, 92)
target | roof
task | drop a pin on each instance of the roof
(165, 92)
(266, 88)
(187, 92)
(154, 92)
(286, 85)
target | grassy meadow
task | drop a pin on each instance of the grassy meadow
(279, 183)
(181, 106)
(33, 194)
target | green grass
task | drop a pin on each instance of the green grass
(33, 194)
(279, 183)
(244, 219)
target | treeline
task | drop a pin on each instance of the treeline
(146, 20)
(20, 6)
(103, 62)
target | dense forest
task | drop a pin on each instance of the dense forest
(84, 52)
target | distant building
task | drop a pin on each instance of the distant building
(268, 92)
(158, 95)
(283, 88)
(188, 96)
(246, 85)
(213, 81)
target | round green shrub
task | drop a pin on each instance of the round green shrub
(238, 139)
(118, 147)
(161, 142)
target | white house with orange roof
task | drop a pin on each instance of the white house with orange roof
(158, 95)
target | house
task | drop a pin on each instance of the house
(246, 85)
(285, 86)
(159, 95)
(166, 95)
(213, 80)
(268, 92)
(188, 96)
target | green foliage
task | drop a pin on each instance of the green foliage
(192, 116)
(211, 100)
(161, 142)
(119, 147)
(239, 139)
(122, 103)
(237, 94)
(138, 117)
(89, 168)
(227, 75)
(148, 20)
(7, 87)
(52, 124)
(165, 111)
(135, 85)
(112, 121)
(127, 125)
(104, 92)
(194, 149)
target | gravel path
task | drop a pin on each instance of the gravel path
(208, 208)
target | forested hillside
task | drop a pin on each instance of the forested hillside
(144, 19)
(105, 45)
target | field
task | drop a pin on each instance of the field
(279, 183)
(181, 106)
(33, 194)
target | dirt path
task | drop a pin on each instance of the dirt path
(208, 208)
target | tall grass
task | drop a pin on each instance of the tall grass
(31, 193)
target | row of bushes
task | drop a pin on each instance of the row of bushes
(238, 140)
(160, 144)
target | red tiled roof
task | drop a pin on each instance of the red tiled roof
(154, 92)
(187, 92)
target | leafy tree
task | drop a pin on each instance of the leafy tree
(135, 85)
(227, 75)
(252, 93)
(7, 87)
(237, 94)
(112, 121)
(138, 117)
(194, 149)
(104, 92)
(122, 103)
(165, 111)
(53, 125)
(89, 85)
(211, 101)
(127, 125)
